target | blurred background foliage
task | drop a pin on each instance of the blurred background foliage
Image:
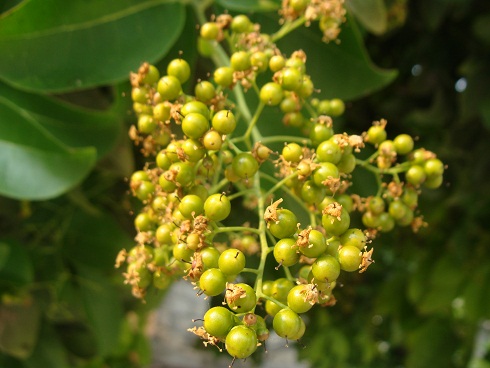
(64, 155)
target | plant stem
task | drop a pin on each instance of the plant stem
(287, 28)
(229, 229)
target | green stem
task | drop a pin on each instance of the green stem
(216, 187)
(285, 138)
(264, 246)
(251, 125)
(280, 183)
(250, 270)
(200, 7)
(261, 295)
(240, 193)
(287, 28)
(230, 229)
(286, 190)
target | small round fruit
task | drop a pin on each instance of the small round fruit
(271, 94)
(415, 175)
(218, 321)
(241, 342)
(191, 206)
(329, 151)
(241, 297)
(292, 152)
(231, 262)
(195, 106)
(403, 144)
(287, 324)
(337, 107)
(180, 69)
(298, 298)
(223, 76)
(376, 134)
(326, 268)
(217, 207)
(285, 252)
(212, 140)
(354, 237)
(245, 165)
(194, 125)
(276, 63)
(224, 122)
(169, 87)
(286, 224)
(212, 282)
(350, 258)
(336, 226)
(209, 31)
(316, 246)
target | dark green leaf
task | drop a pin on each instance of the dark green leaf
(339, 70)
(17, 269)
(49, 351)
(250, 5)
(33, 164)
(4, 254)
(20, 327)
(103, 306)
(54, 45)
(442, 287)
(432, 345)
(95, 240)
(74, 126)
(476, 295)
(370, 13)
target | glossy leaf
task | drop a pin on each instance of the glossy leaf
(72, 125)
(54, 45)
(33, 164)
(370, 13)
(339, 70)
(250, 5)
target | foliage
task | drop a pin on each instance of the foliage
(64, 154)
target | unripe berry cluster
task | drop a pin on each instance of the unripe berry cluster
(199, 170)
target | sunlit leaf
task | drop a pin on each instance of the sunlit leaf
(370, 13)
(55, 45)
(33, 164)
(74, 126)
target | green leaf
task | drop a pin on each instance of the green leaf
(250, 5)
(443, 286)
(17, 269)
(95, 240)
(49, 351)
(370, 13)
(34, 165)
(20, 328)
(55, 45)
(74, 126)
(103, 306)
(339, 70)
(476, 295)
(430, 343)
(4, 254)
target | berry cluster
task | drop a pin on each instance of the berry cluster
(199, 170)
